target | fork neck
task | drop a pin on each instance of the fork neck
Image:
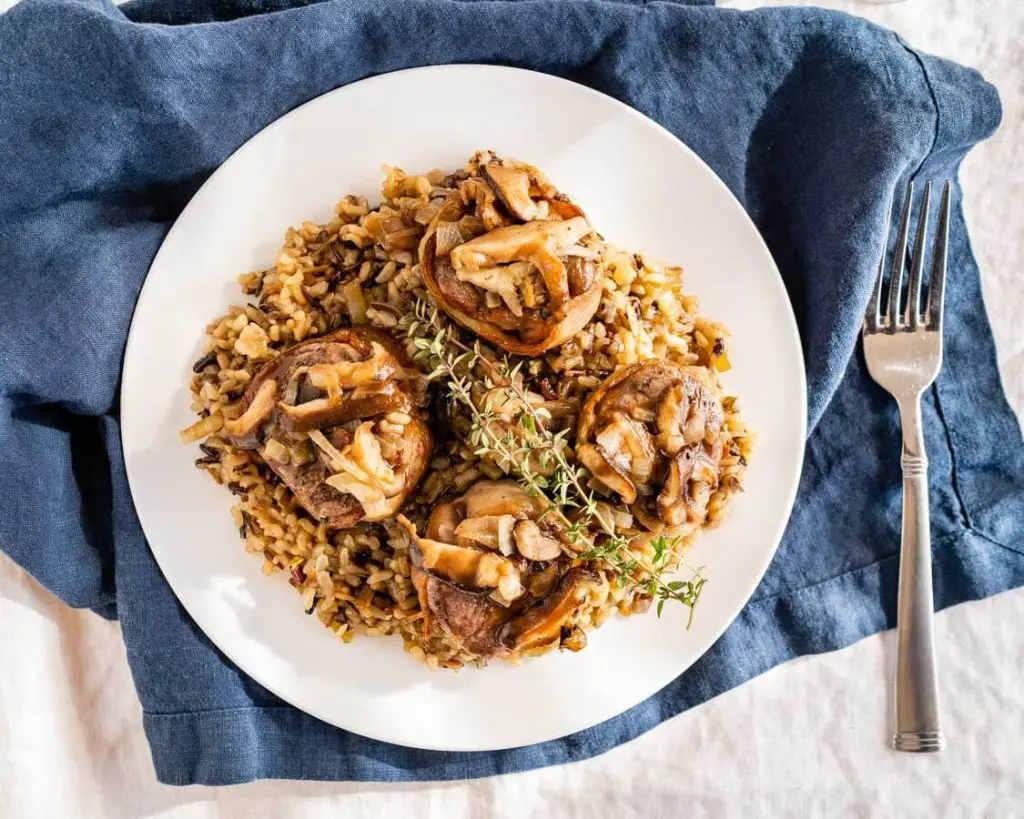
(913, 436)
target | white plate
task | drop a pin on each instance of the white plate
(643, 189)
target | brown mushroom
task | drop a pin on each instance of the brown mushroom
(243, 430)
(368, 401)
(652, 433)
(671, 417)
(489, 531)
(444, 520)
(606, 471)
(672, 500)
(628, 445)
(320, 406)
(537, 243)
(477, 192)
(512, 188)
(542, 577)
(541, 624)
(533, 544)
(504, 497)
(573, 639)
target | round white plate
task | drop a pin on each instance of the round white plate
(643, 189)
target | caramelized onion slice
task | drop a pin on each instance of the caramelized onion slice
(260, 408)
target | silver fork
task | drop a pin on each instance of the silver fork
(903, 349)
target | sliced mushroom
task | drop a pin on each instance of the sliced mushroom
(444, 520)
(541, 625)
(593, 458)
(499, 498)
(533, 544)
(705, 469)
(245, 428)
(505, 282)
(512, 188)
(338, 375)
(477, 192)
(536, 242)
(714, 418)
(628, 445)
(672, 500)
(573, 639)
(543, 577)
(489, 531)
(531, 335)
(671, 418)
(369, 401)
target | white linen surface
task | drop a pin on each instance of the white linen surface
(806, 739)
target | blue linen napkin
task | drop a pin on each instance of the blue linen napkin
(111, 118)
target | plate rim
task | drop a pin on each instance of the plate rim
(792, 338)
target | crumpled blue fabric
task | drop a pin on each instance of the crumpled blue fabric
(110, 119)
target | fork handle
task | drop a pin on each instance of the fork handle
(917, 696)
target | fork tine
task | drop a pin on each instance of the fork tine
(899, 258)
(871, 316)
(912, 317)
(937, 282)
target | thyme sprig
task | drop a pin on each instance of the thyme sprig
(536, 456)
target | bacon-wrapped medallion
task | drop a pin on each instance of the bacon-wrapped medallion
(491, 573)
(339, 420)
(652, 434)
(513, 261)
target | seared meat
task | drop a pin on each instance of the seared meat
(339, 420)
(652, 435)
(471, 619)
(338, 510)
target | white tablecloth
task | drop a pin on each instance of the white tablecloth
(807, 739)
